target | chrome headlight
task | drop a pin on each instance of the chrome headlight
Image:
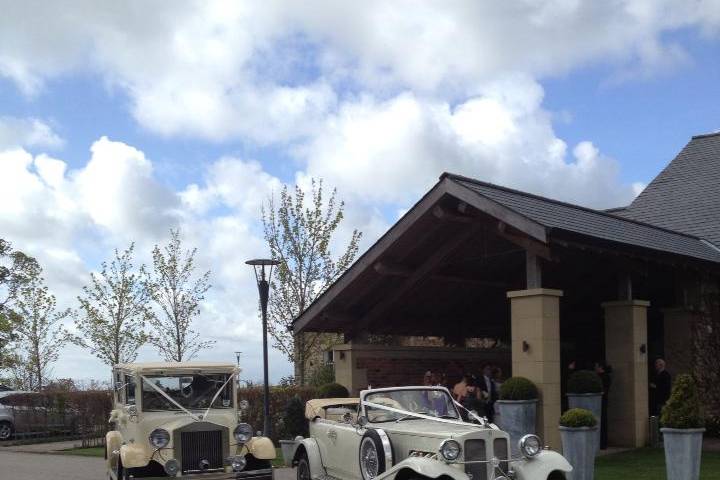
(243, 433)
(237, 462)
(171, 467)
(450, 450)
(159, 438)
(530, 445)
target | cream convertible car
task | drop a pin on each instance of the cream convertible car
(413, 433)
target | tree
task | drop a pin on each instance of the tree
(16, 269)
(300, 236)
(177, 293)
(114, 309)
(39, 332)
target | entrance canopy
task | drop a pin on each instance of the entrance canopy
(456, 253)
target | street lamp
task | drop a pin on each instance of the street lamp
(263, 282)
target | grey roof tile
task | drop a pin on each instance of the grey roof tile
(593, 223)
(685, 196)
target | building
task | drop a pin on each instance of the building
(555, 282)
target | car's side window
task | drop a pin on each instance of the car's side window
(129, 390)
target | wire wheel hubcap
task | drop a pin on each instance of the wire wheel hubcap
(369, 459)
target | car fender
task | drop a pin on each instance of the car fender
(426, 467)
(540, 466)
(310, 446)
(113, 442)
(261, 447)
(133, 455)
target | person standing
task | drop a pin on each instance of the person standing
(660, 386)
(489, 391)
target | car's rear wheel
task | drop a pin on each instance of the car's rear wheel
(6, 430)
(373, 459)
(303, 467)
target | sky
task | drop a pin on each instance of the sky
(122, 120)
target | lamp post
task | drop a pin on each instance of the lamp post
(262, 276)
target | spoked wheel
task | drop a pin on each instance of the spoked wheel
(303, 468)
(6, 430)
(374, 460)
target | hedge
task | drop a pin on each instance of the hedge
(279, 399)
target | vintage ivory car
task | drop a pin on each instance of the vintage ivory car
(413, 433)
(181, 420)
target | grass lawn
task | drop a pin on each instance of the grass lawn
(85, 452)
(648, 464)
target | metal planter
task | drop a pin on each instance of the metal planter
(591, 402)
(683, 449)
(579, 449)
(517, 418)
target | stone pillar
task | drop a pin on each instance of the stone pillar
(678, 325)
(626, 352)
(535, 331)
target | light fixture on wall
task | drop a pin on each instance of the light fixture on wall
(643, 348)
(525, 346)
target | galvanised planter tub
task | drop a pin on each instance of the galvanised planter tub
(579, 449)
(517, 417)
(683, 449)
(591, 402)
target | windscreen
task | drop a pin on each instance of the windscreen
(435, 403)
(190, 391)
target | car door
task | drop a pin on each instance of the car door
(346, 450)
(320, 431)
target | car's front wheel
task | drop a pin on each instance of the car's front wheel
(6, 430)
(303, 467)
(373, 459)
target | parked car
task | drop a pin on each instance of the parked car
(7, 415)
(181, 420)
(413, 432)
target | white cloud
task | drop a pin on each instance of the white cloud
(29, 132)
(269, 71)
(392, 151)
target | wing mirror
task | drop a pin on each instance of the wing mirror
(362, 420)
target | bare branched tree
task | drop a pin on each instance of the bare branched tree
(114, 309)
(300, 235)
(177, 292)
(40, 334)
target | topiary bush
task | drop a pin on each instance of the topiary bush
(294, 420)
(578, 417)
(682, 409)
(332, 390)
(712, 426)
(518, 388)
(584, 381)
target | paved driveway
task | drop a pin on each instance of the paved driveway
(39, 466)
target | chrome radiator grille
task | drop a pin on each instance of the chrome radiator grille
(475, 451)
(200, 447)
(500, 451)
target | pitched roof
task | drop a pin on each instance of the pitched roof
(685, 196)
(599, 224)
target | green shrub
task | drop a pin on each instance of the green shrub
(518, 388)
(682, 409)
(322, 376)
(332, 390)
(578, 417)
(294, 419)
(584, 381)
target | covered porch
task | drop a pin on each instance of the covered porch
(550, 282)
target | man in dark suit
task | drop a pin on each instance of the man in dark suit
(660, 387)
(488, 390)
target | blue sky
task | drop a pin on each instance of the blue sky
(119, 122)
